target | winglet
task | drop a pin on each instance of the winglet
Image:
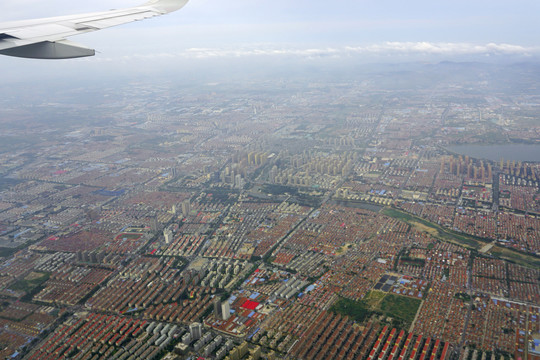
(49, 50)
(166, 6)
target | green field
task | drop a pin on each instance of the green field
(30, 282)
(373, 299)
(401, 309)
(356, 310)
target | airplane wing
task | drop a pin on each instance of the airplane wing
(46, 38)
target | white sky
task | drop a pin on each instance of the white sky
(297, 28)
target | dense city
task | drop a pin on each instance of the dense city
(287, 218)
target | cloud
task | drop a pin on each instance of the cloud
(444, 48)
(200, 53)
(390, 50)
(386, 48)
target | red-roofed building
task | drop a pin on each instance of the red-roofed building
(249, 304)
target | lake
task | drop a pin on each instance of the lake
(517, 152)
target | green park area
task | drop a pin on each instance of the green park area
(400, 309)
(30, 282)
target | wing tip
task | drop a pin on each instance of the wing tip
(166, 6)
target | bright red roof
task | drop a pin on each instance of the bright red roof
(249, 304)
